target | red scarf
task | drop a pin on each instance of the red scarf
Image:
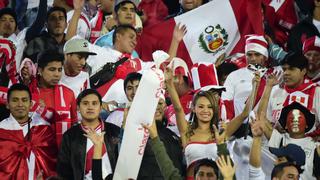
(16, 149)
(303, 94)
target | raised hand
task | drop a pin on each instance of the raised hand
(168, 75)
(273, 79)
(152, 129)
(179, 32)
(256, 126)
(97, 139)
(219, 137)
(78, 4)
(225, 167)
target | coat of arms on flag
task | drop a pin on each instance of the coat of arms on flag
(213, 39)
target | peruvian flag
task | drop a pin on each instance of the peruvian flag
(214, 28)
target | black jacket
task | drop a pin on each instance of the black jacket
(303, 30)
(72, 152)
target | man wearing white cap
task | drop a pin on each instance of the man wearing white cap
(76, 52)
(182, 84)
(238, 88)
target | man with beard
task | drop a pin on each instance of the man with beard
(76, 159)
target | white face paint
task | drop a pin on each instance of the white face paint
(295, 121)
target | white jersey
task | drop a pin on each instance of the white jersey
(279, 95)
(238, 88)
(307, 144)
(76, 83)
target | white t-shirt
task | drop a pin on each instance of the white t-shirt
(307, 144)
(76, 83)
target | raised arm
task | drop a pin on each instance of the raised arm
(180, 115)
(178, 33)
(166, 166)
(236, 122)
(73, 24)
(38, 23)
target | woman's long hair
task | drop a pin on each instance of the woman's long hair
(213, 98)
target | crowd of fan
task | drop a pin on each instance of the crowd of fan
(64, 104)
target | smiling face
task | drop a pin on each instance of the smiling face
(19, 104)
(159, 114)
(296, 122)
(203, 109)
(90, 108)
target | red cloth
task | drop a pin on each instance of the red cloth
(64, 106)
(95, 29)
(4, 3)
(155, 10)
(158, 37)
(7, 58)
(15, 149)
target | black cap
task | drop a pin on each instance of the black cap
(9, 11)
(310, 118)
(294, 59)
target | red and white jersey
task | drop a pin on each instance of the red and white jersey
(27, 149)
(309, 96)
(84, 28)
(63, 102)
(238, 88)
(307, 144)
(76, 83)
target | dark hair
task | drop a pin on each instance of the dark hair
(18, 87)
(277, 171)
(48, 56)
(134, 76)
(213, 98)
(295, 59)
(225, 69)
(118, 6)
(205, 162)
(121, 29)
(87, 92)
(57, 8)
(10, 12)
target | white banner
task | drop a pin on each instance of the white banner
(135, 137)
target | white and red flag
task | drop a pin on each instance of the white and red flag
(216, 27)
